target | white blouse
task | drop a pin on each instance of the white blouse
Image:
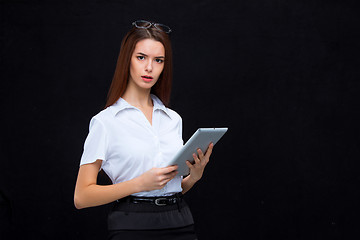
(129, 145)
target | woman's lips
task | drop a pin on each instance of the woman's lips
(147, 78)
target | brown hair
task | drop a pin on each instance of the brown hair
(162, 88)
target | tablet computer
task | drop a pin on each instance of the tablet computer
(200, 139)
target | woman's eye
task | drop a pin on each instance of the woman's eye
(140, 57)
(158, 60)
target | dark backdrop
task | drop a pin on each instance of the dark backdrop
(283, 75)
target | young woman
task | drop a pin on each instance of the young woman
(133, 138)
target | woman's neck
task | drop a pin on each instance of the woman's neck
(141, 99)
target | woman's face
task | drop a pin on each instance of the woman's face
(147, 63)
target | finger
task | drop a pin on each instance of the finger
(173, 168)
(167, 177)
(173, 172)
(164, 182)
(209, 150)
(197, 160)
(170, 175)
(167, 170)
(161, 184)
(188, 163)
(200, 153)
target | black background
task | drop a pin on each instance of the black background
(283, 75)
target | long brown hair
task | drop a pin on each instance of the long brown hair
(162, 88)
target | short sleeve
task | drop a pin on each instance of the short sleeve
(95, 145)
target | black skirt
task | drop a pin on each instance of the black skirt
(139, 220)
(182, 233)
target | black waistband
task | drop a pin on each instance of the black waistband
(158, 201)
(143, 213)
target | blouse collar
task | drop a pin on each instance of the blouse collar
(121, 104)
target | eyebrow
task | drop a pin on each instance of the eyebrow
(143, 54)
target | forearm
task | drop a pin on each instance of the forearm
(96, 195)
(187, 183)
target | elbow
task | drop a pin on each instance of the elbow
(78, 203)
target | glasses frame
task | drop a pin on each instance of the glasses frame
(158, 26)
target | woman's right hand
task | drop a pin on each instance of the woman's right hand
(157, 178)
(89, 194)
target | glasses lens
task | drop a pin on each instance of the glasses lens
(163, 27)
(142, 24)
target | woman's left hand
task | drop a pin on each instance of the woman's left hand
(197, 168)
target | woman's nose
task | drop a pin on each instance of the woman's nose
(149, 66)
